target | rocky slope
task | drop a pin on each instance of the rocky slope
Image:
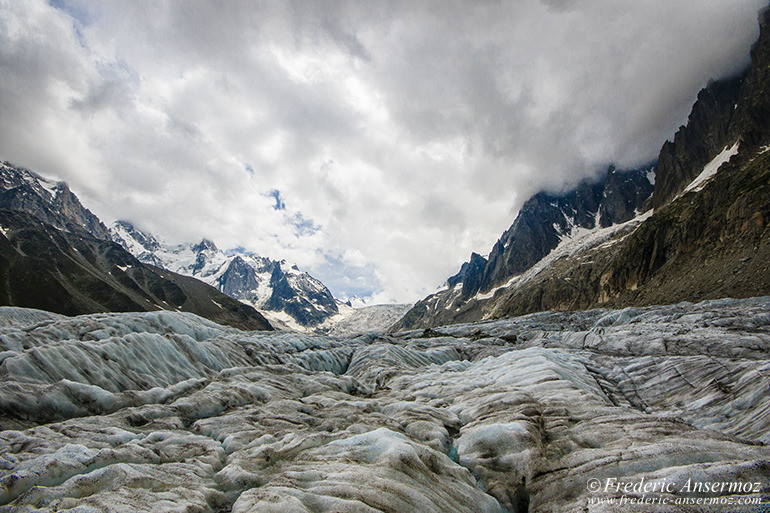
(56, 255)
(545, 219)
(48, 201)
(707, 238)
(552, 412)
(726, 111)
(543, 223)
(279, 289)
(708, 130)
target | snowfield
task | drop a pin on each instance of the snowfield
(356, 321)
(168, 412)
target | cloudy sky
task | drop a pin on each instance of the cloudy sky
(374, 143)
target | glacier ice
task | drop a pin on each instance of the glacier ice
(165, 411)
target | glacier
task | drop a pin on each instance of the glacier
(166, 411)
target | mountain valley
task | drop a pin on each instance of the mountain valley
(610, 353)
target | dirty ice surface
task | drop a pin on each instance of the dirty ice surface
(168, 412)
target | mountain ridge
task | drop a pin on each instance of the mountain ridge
(268, 285)
(542, 224)
(707, 236)
(54, 256)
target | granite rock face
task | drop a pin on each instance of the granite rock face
(538, 229)
(625, 196)
(545, 219)
(543, 223)
(709, 128)
(542, 413)
(301, 296)
(708, 236)
(49, 201)
(726, 111)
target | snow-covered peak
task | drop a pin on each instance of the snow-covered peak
(131, 238)
(292, 296)
(205, 245)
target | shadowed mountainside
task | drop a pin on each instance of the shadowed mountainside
(54, 256)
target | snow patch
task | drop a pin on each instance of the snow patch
(710, 169)
(579, 240)
(651, 176)
(283, 321)
(491, 293)
(51, 187)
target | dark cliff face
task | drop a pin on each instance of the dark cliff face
(545, 219)
(706, 243)
(51, 202)
(726, 111)
(752, 114)
(543, 222)
(625, 195)
(709, 244)
(239, 279)
(706, 134)
(72, 273)
(538, 228)
(310, 308)
(470, 275)
(474, 275)
(70, 207)
(701, 244)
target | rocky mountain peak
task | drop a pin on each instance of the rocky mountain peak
(144, 239)
(544, 222)
(50, 201)
(545, 219)
(727, 111)
(601, 244)
(58, 256)
(471, 275)
(709, 129)
(205, 245)
(265, 284)
(625, 195)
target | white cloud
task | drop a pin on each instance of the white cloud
(354, 257)
(401, 135)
